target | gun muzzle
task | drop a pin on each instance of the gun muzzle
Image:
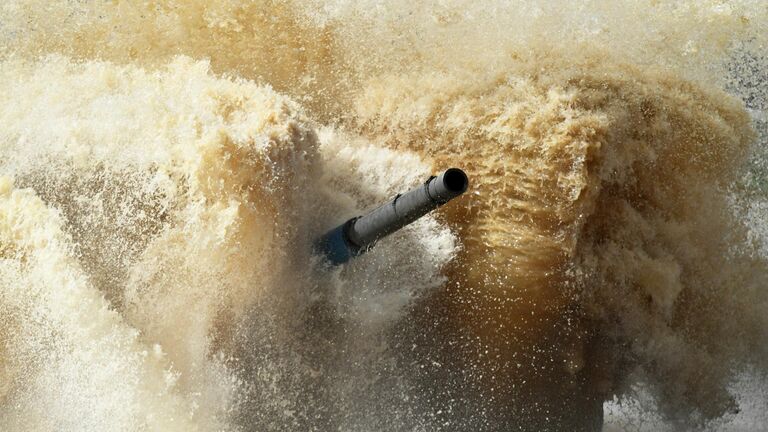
(359, 234)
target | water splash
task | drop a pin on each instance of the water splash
(613, 236)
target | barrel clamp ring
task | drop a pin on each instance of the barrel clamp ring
(426, 190)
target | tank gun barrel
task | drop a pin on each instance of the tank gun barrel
(359, 234)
